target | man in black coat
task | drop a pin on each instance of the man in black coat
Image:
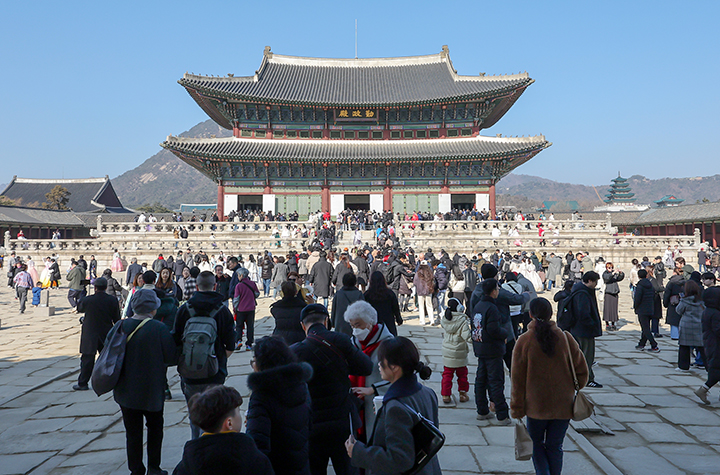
(363, 269)
(644, 306)
(101, 313)
(333, 358)
(586, 324)
(204, 302)
(321, 278)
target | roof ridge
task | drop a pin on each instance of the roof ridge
(61, 180)
(478, 138)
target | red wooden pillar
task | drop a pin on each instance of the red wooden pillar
(491, 197)
(714, 241)
(221, 202)
(387, 198)
(325, 199)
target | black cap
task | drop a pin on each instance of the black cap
(100, 283)
(488, 271)
(312, 309)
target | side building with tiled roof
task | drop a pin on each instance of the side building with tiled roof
(400, 134)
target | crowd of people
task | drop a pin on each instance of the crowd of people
(350, 383)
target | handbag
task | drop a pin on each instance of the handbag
(106, 372)
(428, 441)
(582, 407)
(523, 442)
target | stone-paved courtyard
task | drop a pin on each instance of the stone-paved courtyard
(47, 428)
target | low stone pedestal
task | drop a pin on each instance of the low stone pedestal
(45, 311)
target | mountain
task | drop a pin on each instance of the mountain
(166, 179)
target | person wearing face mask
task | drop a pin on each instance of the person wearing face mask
(367, 336)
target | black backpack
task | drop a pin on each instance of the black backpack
(566, 319)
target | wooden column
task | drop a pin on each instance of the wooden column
(714, 241)
(221, 202)
(387, 198)
(491, 197)
(325, 199)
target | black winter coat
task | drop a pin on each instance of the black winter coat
(320, 276)
(611, 282)
(388, 310)
(101, 313)
(488, 332)
(344, 297)
(278, 416)
(644, 300)
(585, 312)
(231, 452)
(675, 286)
(286, 313)
(711, 327)
(330, 385)
(363, 270)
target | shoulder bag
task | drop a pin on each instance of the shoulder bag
(108, 366)
(582, 407)
(428, 441)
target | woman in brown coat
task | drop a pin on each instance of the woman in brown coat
(542, 385)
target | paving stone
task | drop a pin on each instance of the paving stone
(645, 390)
(692, 463)
(633, 416)
(576, 462)
(654, 432)
(708, 435)
(22, 463)
(690, 416)
(502, 436)
(667, 401)
(614, 399)
(641, 461)
(108, 457)
(492, 460)
(91, 424)
(457, 416)
(36, 427)
(45, 442)
(458, 458)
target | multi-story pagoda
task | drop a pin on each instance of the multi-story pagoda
(619, 192)
(398, 134)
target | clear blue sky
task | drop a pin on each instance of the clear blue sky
(89, 88)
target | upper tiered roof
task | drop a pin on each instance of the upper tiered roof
(376, 82)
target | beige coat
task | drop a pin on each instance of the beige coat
(455, 340)
(542, 385)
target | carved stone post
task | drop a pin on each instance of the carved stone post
(6, 241)
(99, 224)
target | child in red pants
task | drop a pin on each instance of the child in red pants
(455, 350)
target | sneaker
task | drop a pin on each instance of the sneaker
(658, 335)
(682, 370)
(593, 384)
(702, 393)
(77, 387)
(248, 347)
(654, 350)
(639, 347)
(482, 417)
(464, 396)
(594, 363)
(447, 399)
(504, 422)
(238, 347)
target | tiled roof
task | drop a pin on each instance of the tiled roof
(86, 195)
(680, 214)
(33, 216)
(342, 150)
(355, 82)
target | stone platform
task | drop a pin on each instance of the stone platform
(659, 427)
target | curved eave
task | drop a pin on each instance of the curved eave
(471, 97)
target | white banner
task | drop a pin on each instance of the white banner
(377, 203)
(268, 203)
(482, 201)
(444, 202)
(230, 203)
(337, 205)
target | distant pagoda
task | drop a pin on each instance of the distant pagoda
(620, 197)
(619, 192)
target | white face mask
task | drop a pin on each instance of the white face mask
(361, 333)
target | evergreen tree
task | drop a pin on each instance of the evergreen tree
(57, 198)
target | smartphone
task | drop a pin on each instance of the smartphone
(352, 430)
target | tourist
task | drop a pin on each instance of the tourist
(367, 335)
(456, 327)
(586, 325)
(657, 299)
(659, 270)
(278, 414)
(344, 297)
(644, 306)
(333, 359)
(30, 264)
(167, 284)
(245, 297)
(576, 267)
(634, 275)
(320, 277)
(37, 293)
(101, 313)
(671, 299)
(189, 283)
(140, 391)
(76, 285)
(286, 313)
(690, 336)
(205, 303)
(711, 339)
(223, 447)
(391, 448)
(222, 282)
(279, 275)
(363, 269)
(425, 287)
(384, 301)
(611, 277)
(442, 278)
(543, 388)
(23, 283)
(266, 268)
(489, 337)
(133, 269)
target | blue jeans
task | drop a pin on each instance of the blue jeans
(547, 437)
(266, 287)
(441, 301)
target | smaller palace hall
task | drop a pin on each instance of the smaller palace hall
(400, 134)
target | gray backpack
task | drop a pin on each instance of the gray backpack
(198, 359)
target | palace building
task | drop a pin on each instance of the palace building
(400, 134)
